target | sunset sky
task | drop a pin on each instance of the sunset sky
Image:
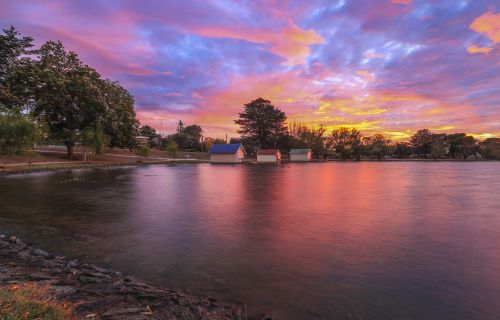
(380, 66)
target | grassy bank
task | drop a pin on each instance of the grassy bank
(30, 301)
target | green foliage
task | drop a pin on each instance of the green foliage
(261, 125)
(94, 137)
(17, 132)
(143, 151)
(187, 137)
(147, 131)
(118, 115)
(12, 47)
(171, 149)
(67, 96)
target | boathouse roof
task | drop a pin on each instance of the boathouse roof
(299, 151)
(267, 152)
(230, 148)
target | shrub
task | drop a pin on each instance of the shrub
(143, 151)
(17, 132)
(171, 149)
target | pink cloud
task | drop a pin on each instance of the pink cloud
(405, 2)
(291, 42)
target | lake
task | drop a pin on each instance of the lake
(370, 240)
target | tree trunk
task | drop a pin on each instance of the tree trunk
(70, 152)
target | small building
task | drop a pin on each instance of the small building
(268, 156)
(142, 140)
(300, 155)
(227, 153)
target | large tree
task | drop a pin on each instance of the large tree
(261, 124)
(67, 94)
(74, 101)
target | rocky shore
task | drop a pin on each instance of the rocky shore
(98, 293)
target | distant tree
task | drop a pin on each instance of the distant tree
(462, 145)
(187, 137)
(490, 149)
(469, 147)
(180, 126)
(171, 149)
(421, 142)
(147, 131)
(376, 146)
(403, 150)
(219, 141)
(193, 135)
(234, 140)
(310, 138)
(346, 142)
(150, 132)
(261, 124)
(439, 145)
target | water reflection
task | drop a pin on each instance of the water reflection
(373, 240)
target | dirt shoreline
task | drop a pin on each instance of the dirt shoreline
(99, 293)
(31, 168)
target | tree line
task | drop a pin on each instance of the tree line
(263, 126)
(48, 94)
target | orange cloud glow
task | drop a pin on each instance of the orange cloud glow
(489, 25)
(291, 43)
(475, 49)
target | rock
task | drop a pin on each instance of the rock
(124, 311)
(63, 290)
(99, 291)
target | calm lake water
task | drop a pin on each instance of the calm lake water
(404, 240)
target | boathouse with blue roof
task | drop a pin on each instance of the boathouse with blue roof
(227, 153)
